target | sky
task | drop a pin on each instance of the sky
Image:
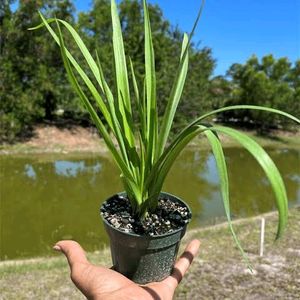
(236, 29)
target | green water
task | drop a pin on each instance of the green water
(45, 198)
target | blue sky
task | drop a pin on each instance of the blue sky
(236, 29)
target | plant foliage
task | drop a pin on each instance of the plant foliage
(143, 153)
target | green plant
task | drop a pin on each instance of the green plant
(143, 155)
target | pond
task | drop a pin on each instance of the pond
(45, 198)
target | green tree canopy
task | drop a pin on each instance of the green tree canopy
(31, 74)
(269, 82)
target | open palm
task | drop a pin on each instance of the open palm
(97, 282)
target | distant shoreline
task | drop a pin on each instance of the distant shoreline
(77, 139)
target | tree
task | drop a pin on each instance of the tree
(270, 82)
(32, 76)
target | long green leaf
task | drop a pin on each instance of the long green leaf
(87, 104)
(175, 96)
(160, 170)
(111, 104)
(122, 76)
(86, 54)
(255, 149)
(224, 183)
(150, 79)
(234, 107)
(269, 168)
(177, 87)
(186, 131)
(129, 153)
(82, 74)
(251, 107)
(139, 103)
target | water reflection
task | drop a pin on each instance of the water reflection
(72, 168)
(47, 198)
(29, 171)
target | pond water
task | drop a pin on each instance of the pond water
(45, 198)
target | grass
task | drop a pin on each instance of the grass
(219, 273)
(213, 274)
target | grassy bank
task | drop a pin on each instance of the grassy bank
(217, 273)
(76, 139)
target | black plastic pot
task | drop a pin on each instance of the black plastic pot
(144, 258)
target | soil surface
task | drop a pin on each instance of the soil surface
(168, 217)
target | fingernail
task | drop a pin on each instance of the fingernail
(56, 248)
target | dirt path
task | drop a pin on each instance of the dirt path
(53, 139)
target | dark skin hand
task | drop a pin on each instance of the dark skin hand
(97, 282)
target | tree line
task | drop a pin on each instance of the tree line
(34, 88)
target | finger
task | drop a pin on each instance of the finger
(187, 256)
(73, 252)
(183, 263)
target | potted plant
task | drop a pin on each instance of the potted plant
(144, 224)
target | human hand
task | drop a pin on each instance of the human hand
(97, 282)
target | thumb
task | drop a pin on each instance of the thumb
(72, 250)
